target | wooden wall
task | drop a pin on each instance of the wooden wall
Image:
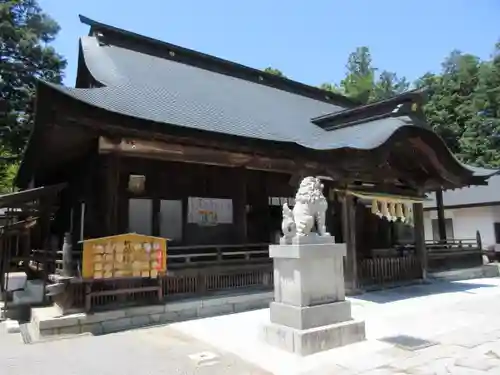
(253, 218)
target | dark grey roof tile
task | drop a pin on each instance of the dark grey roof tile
(165, 91)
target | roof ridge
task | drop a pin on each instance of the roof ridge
(272, 80)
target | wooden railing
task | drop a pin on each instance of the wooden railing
(199, 270)
(454, 254)
(383, 271)
(450, 248)
(191, 270)
(208, 255)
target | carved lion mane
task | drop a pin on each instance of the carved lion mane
(310, 190)
(310, 207)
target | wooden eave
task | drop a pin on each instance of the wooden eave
(21, 197)
(406, 104)
(442, 169)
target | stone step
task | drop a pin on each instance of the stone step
(489, 270)
(32, 294)
(15, 281)
(48, 322)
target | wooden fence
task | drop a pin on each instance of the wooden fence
(384, 271)
(202, 270)
(454, 253)
(197, 270)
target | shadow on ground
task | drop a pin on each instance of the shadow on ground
(415, 291)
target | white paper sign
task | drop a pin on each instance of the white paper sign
(210, 211)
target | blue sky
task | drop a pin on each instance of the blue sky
(308, 40)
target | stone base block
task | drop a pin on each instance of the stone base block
(310, 316)
(314, 340)
(47, 322)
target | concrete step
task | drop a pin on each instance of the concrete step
(32, 294)
(11, 326)
(36, 288)
(15, 281)
(488, 270)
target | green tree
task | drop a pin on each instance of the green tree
(362, 83)
(388, 85)
(25, 56)
(8, 170)
(480, 141)
(359, 81)
(450, 107)
(276, 72)
(332, 88)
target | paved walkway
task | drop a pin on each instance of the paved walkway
(153, 351)
(458, 322)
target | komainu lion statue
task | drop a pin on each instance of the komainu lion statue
(310, 208)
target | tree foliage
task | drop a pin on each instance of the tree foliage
(8, 170)
(25, 56)
(276, 72)
(463, 104)
(362, 81)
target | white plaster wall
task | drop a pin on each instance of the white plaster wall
(466, 221)
(496, 213)
(469, 195)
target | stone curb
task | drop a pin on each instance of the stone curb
(45, 325)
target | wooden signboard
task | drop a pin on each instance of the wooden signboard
(124, 255)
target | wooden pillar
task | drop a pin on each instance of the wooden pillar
(349, 234)
(112, 174)
(440, 215)
(240, 204)
(419, 233)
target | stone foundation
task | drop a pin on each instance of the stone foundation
(313, 340)
(47, 322)
(309, 313)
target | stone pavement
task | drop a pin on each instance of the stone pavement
(456, 325)
(152, 351)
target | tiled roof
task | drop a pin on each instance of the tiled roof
(166, 91)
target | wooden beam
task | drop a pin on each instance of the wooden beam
(339, 164)
(200, 155)
(434, 160)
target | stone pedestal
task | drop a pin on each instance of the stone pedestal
(309, 313)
